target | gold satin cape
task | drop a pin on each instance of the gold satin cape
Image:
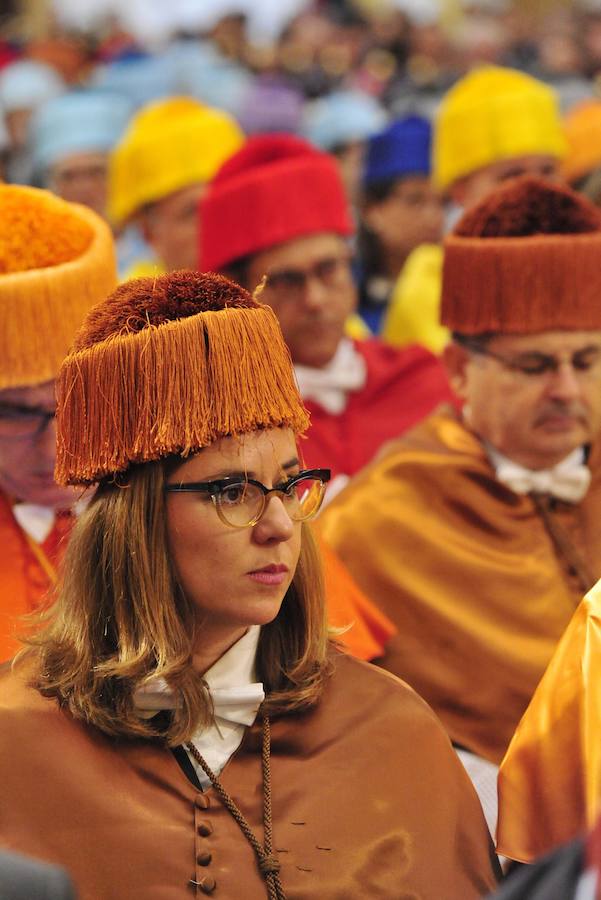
(369, 800)
(467, 572)
(550, 779)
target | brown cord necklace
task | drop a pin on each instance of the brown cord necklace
(562, 543)
(269, 864)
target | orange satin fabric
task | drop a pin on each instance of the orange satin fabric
(466, 571)
(24, 583)
(366, 629)
(550, 779)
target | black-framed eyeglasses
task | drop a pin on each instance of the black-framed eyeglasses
(18, 422)
(240, 502)
(533, 363)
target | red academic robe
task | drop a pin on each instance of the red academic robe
(24, 582)
(403, 386)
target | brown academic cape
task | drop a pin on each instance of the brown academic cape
(467, 571)
(369, 800)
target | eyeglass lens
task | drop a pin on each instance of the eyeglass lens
(243, 504)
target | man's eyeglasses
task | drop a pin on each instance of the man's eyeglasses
(240, 502)
(331, 271)
(17, 422)
(534, 364)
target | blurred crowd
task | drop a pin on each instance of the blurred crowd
(81, 87)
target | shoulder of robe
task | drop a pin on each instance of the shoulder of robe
(23, 710)
(360, 689)
(439, 451)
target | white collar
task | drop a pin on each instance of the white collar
(330, 385)
(37, 521)
(231, 680)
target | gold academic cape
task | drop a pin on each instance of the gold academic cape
(369, 800)
(468, 573)
(550, 779)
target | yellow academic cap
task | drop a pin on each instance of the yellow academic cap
(168, 145)
(491, 114)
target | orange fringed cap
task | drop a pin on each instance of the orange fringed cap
(526, 259)
(166, 366)
(57, 260)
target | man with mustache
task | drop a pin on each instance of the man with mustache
(477, 533)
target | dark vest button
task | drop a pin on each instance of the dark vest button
(207, 884)
(203, 859)
(202, 802)
(205, 829)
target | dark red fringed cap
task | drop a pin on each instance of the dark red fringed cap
(525, 259)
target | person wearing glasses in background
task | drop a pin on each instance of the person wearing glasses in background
(56, 261)
(477, 533)
(182, 725)
(360, 393)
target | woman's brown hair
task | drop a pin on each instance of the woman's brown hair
(120, 619)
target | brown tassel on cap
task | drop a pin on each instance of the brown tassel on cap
(524, 260)
(168, 366)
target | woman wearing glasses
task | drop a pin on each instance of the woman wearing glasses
(182, 726)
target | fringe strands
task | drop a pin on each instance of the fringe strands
(173, 389)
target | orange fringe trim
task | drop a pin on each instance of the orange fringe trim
(522, 285)
(173, 389)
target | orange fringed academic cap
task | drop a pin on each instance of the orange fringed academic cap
(524, 260)
(166, 366)
(57, 260)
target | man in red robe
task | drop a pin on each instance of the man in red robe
(361, 393)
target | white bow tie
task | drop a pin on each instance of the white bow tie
(238, 705)
(567, 482)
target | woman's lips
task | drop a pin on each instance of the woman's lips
(271, 575)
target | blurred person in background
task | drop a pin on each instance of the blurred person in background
(477, 532)
(57, 260)
(360, 393)
(493, 125)
(158, 172)
(25, 85)
(400, 210)
(24, 878)
(582, 163)
(340, 123)
(70, 139)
